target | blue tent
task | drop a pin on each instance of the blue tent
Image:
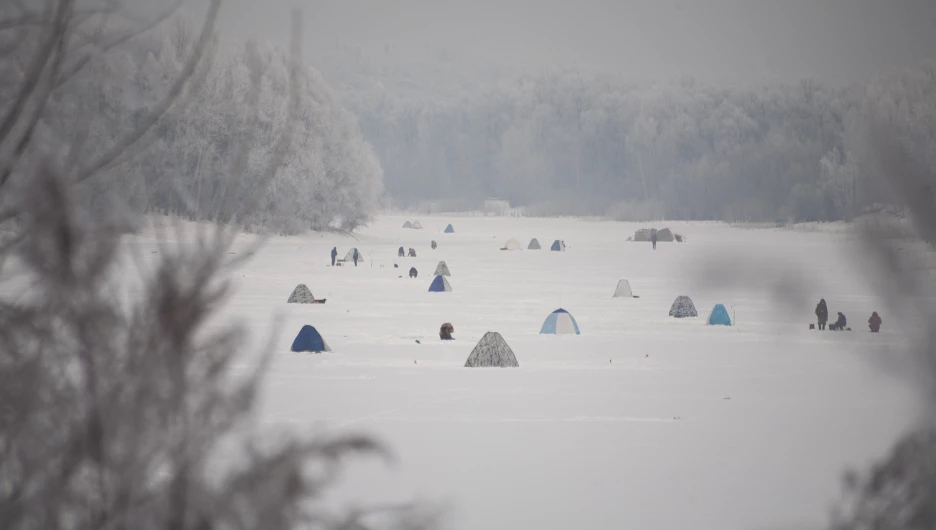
(449, 229)
(440, 285)
(560, 322)
(558, 246)
(719, 316)
(309, 340)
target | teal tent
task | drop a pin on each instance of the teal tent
(719, 316)
(449, 229)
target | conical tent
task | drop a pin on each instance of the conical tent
(558, 246)
(512, 244)
(449, 229)
(301, 295)
(623, 290)
(350, 255)
(534, 245)
(407, 225)
(417, 225)
(442, 269)
(309, 340)
(440, 285)
(719, 316)
(492, 351)
(683, 308)
(560, 322)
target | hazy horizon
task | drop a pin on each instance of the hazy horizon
(838, 42)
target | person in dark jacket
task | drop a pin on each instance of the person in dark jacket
(412, 252)
(840, 324)
(401, 253)
(355, 257)
(874, 323)
(445, 332)
(433, 245)
(822, 313)
(653, 239)
(334, 254)
(412, 272)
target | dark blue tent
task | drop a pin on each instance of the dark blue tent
(558, 246)
(719, 316)
(440, 285)
(309, 340)
(449, 229)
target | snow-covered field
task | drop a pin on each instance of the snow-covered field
(642, 421)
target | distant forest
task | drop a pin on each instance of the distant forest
(569, 143)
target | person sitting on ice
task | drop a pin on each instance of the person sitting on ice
(445, 332)
(839, 324)
(412, 272)
(401, 253)
(412, 252)
(874, 323)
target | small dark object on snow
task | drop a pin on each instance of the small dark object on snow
(413, 272)
(433, 245)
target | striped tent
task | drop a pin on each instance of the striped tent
(560, 322)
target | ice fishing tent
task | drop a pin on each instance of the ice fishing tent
(665, 235)
(349, 257)
(683, 308)
(301, 295)
(560, 322)
(558, 246)
(534, 245)
(417, 225)
(442, 269)
(644, 234)
(407, 225)
(623, 290)
(449, 229)
(512, 244)
(492, 350)
(309, 340)
(719, 316)
(440, 285)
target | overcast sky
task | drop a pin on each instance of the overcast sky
(836, 41)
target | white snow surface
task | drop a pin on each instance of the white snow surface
(642, 421)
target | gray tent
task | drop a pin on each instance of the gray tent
(349, 257)
(665, 235)
(417, 225)
(492, 351)
(301, 295)
(644, 234)
(534, 245)
(683, 308)
(442, 270)
(407, 225)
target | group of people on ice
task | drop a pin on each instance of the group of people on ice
(354, 256)
(841, 324)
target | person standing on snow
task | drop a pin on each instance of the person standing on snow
(653, 239)
(822, 313)
(355, 257)
(334, 254)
